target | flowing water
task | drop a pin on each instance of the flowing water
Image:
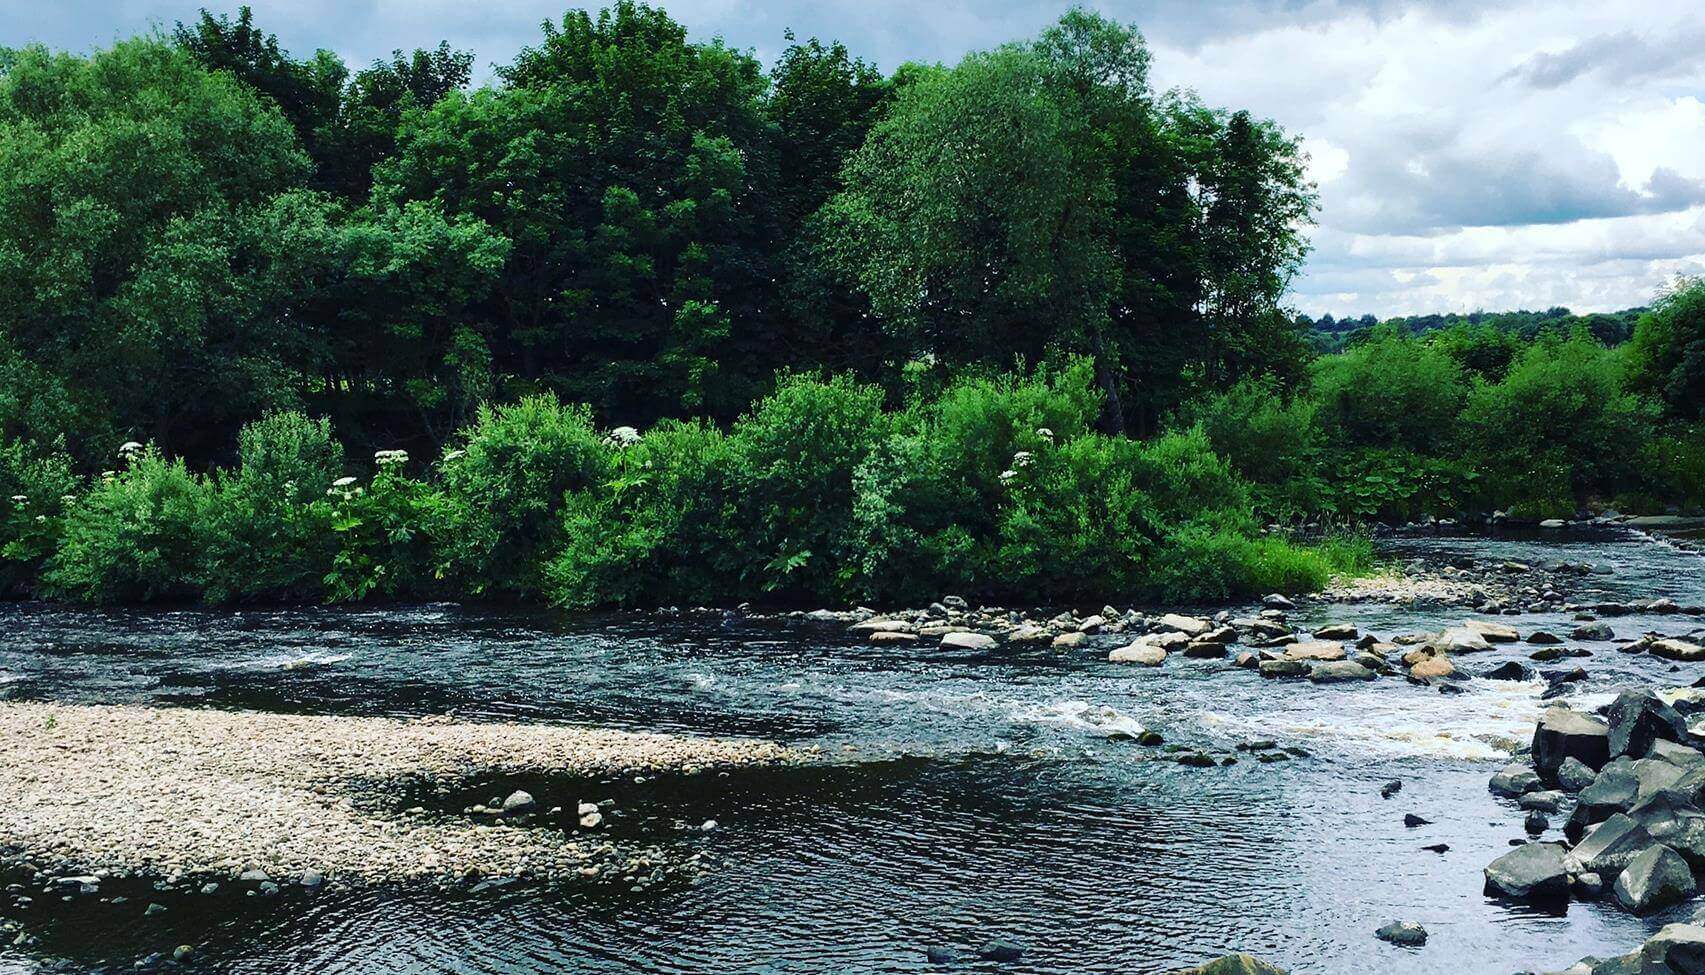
(964, 796)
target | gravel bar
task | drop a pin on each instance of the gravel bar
(181, 792)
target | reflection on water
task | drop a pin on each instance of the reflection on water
(1025, 812)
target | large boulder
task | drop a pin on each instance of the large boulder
(967, 641)
(1678, 949)
(1609, 847)
(1656, 878)
(1234, 965)
(1461, 639)
(1639, 718)
(1533, 872)
(1572, 776)
(1683, 650)
(1433, 667)
(1562, 733)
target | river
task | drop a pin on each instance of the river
(964, 796)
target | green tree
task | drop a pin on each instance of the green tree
(1667, 354)
(125, 180)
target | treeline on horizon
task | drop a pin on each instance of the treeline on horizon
(642, 321)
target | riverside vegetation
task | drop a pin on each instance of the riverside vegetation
(642, 323)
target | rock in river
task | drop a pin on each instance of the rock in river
(519, 802)
(1655, 879)
(1138, 653)
(1609, 846)
(1533, 872)
(1563, 733)
(1333, 671)
(1235, 965)
(1572, 776)
(1185, 624)
(967, 641)
(1513, 780)
(1405, 933)
(1637, 719)
(1315, 650)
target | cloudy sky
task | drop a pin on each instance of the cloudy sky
(1469, 155)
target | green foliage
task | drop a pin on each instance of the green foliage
(1391, 391)
(1559, 429)
(136, 536)
(505, 488)
(383, 533)
(1272, 441)
(1667, 355)
(35, 488)
(266, 539)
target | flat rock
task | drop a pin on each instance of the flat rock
(968, 641)
(1145, 654)
(1334, 671)
(1316, 650)
(1405, 933)
(1609, 847)
(1672, 649)
(1336, 631)
(1239, 964)
(1190, 625)
(1514, 779)
(1493, 632)
(1532, 872)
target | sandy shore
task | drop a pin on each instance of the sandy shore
(179, 792)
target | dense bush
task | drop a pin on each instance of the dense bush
(505, 486)
(35, 487)
(1667, 353)
(1273, 441)
(1390, 391)
(137, 535)
(1558, 430)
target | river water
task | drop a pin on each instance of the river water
(965, 796)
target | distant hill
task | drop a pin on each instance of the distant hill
(1611, 328)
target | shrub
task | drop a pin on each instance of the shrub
(1394, 483)
(796, 453)
(35, 487)
(661, 528)
(1271, 441)
(269, 539)
(137, 535)
(1558, 429)
(1391, 391)
(504, 491)
(382, 534)
(1666, 357)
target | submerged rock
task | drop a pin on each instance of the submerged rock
(998, 950)
(1239, 964)
(1405, 933)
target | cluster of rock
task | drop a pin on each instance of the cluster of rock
(1631, 781)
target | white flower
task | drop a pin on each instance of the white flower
(343, 482)
(20, 498)
(1021, 459)
(108, 475)
(455, 455)
(387, 457)
(1007, 476)
(620, 437)
(1045, 434)
(128, 447)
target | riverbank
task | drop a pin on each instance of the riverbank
(181, 793)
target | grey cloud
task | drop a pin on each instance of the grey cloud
(1622, 56)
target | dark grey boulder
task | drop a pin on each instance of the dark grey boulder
(1609, 847)
(1656, 878)
(1677, 949)
(1509, 670)
(1639, 718)
(1549, 801)
(998, 950)
(938, 955)
(1531, 872)
(1593, 631)
(1572, 776)
(1562, 733)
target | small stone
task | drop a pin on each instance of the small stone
(1408, 934)
(1411, 820)
(1002, 951)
